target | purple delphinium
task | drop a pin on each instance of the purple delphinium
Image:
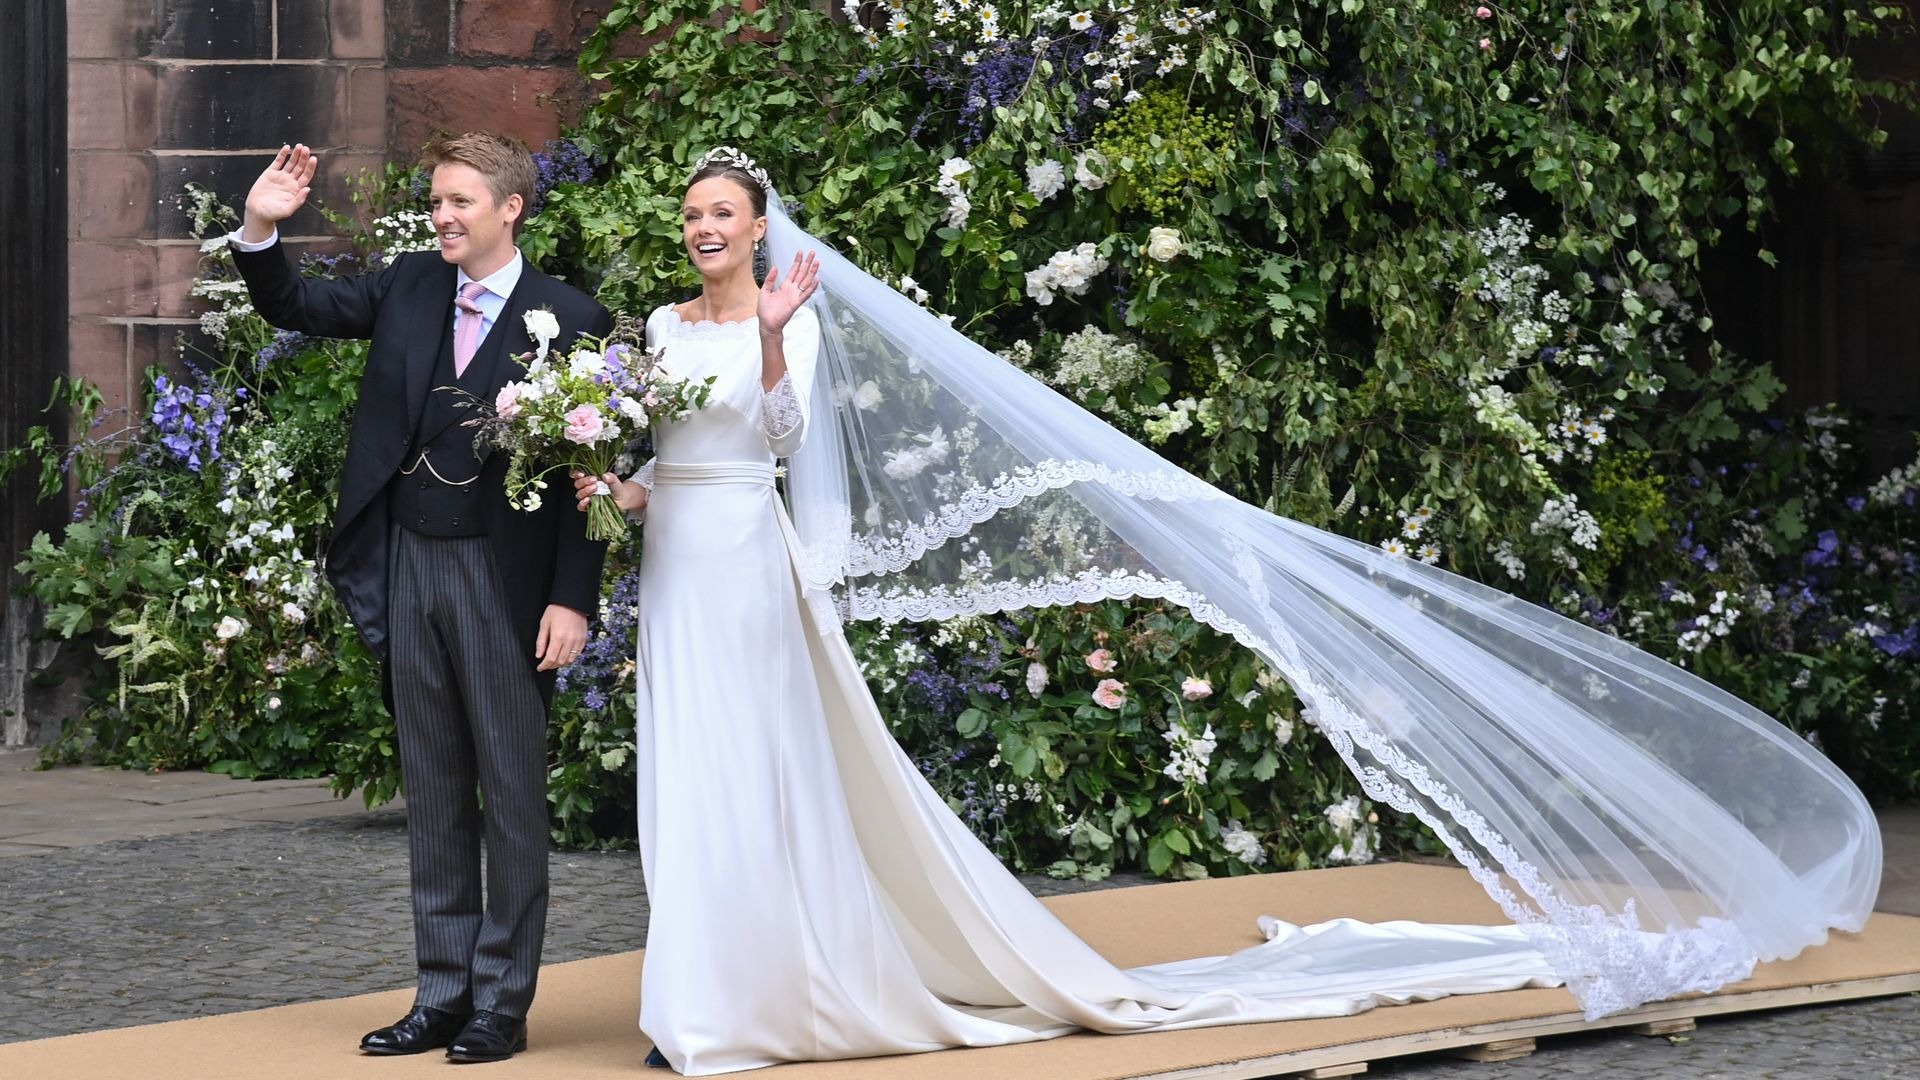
(562, 162)
(188, 422)
(285, 343)
(600, 669)
(1904, 643)
(1823, 554)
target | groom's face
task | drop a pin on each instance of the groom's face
(475, 228)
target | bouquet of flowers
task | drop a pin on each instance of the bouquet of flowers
(579, 411)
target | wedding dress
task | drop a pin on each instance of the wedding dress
(812, 897)
(1648, 834)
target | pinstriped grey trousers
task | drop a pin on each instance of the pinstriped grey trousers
(469, 717)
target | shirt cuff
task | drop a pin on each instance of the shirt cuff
(236, 243)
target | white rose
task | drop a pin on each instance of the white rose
(1046, 179)
(1090, 170)
(274, 702)
(543, 327)
(1282, 730)
(587, 364)
(229, 629)
(867, 397)
(1036, 678)
(292, 613)
(1163, 243)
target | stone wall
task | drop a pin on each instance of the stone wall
(163, 92)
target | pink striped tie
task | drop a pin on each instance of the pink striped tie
(466, 335)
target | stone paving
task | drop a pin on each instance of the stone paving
(184, 906)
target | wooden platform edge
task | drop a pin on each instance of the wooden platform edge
(1425, 1042)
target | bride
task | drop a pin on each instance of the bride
(813, 898)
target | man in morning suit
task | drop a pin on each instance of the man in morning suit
(470, 604)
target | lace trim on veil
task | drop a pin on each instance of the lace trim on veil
(874, 554)
(1610, 961)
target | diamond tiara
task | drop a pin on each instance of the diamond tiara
(739, 159)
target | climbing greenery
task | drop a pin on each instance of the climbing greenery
(1426, 274)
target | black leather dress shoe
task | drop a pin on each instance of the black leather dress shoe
(658, 1060)
(489, 1036)
(422, 1029)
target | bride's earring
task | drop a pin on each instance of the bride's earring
(760, 260)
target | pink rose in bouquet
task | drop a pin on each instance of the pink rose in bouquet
(585, 425)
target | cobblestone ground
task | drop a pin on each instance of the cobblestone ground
(139, 932)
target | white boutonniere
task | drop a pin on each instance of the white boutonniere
(543, 328)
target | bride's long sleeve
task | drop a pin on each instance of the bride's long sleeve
(784, 409)
(645, 479)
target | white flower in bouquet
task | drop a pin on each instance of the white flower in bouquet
(634, 409)
(1046, 179)
(229, 628)
(1036, 678)
(292, 613)
(868, 397)
(543, 326)
(586, 363)
(1163, 244)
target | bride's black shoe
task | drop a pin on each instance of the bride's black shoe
(658, 1060)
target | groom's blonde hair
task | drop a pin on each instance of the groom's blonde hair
(502, 159)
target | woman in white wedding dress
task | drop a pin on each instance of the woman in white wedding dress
(813, 898)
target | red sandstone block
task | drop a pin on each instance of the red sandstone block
(97, 352)
(330, 187)
(110, 195)
(252, 105)
(359, 29)
(522, 29)
(527, 102)
(366, 123)
(143, 105)
(96, 106)
(175, 267)
(109, 28)
(110, 279)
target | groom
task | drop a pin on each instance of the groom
(470, 604)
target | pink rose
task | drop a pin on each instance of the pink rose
(1100, 661)
(584, 424)
(1111, 693)
(1196, 689)
(1486, 44)
(1482, 13)
(507, 403)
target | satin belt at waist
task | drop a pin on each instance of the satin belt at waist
(716, 472)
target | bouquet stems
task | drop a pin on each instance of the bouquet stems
(605, 520)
